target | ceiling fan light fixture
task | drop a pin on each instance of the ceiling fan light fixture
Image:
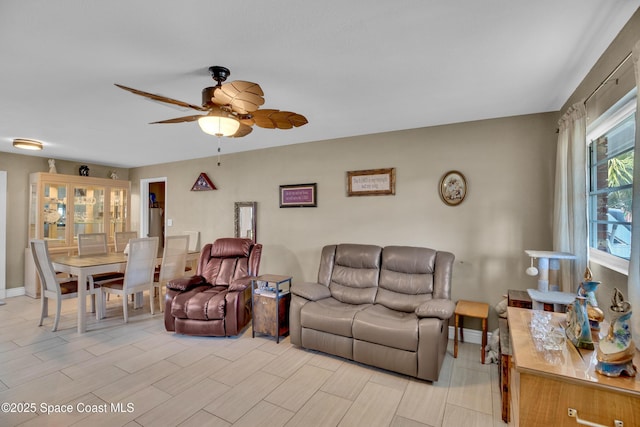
(219, 124)
(27, 144)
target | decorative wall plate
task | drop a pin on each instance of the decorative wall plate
(51, 216)
(453, 188)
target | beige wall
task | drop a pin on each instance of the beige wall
(508, 164)
(18, 168)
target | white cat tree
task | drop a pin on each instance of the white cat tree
(548, 270)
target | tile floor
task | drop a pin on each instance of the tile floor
(140, 375)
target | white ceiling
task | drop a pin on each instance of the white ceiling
(351, 67)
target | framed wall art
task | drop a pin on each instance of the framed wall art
(203, 183)
(298, 196)
(453, 188)
(372, 182)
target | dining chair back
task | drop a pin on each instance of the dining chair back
(174, 259)
(194, 240)
(92, 244)
(53, 287)
(122, 239)
(96, 244)
(194, 246)
(138, 274)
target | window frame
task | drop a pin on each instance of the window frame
(619, 112)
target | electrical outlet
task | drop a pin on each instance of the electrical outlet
(618, 423)
(572, 413)
(169, 223)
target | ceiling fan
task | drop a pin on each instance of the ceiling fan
(230, 109)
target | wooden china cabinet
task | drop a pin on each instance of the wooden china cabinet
(63, 206)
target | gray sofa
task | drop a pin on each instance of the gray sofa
(385, 307)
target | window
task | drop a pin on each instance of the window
(611, 141)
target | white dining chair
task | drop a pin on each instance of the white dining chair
(138, 274)
(174, 259)
(194, 244)
(194, 240)
(92, 244)
(122, 239)
(96, 244)
(53, 287)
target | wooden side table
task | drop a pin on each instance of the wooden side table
(270, 305)
(470, 309)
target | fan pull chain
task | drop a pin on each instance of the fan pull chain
(218, 150)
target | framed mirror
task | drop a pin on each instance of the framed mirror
(245, 220)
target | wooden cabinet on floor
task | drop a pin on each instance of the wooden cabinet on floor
(546, 384)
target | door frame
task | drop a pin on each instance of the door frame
(144, 203)
(3, 235)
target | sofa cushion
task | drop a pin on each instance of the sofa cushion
(354, 279)
(311, 291)
(380, 325)
(330, 315)
(406, 277)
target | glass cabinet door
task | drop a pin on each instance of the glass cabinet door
(88, 210)
(63, 206)
(54, 215)
(118, 211)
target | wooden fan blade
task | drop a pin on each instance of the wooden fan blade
(276, 119)
(181, 119)
(243, 130)
(243, 97)
(161, 98)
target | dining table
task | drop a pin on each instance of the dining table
(84, 266)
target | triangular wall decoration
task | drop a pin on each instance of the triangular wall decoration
(203, 183)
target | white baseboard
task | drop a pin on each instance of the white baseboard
(470, 335)
(13, 292)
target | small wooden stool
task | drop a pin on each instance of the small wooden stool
(479, 310)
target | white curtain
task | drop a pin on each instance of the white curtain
(570, 201)
(633, 283)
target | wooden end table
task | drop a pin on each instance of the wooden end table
(270, 305)
(470, 309)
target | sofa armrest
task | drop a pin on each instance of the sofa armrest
(186, 283)
(442, 308)
(240, 284)
(311, 291)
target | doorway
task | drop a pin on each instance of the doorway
(153, 205)
(3, 235)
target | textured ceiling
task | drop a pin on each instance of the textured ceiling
(351, 68)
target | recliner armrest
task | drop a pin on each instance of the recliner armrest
(442, 308)
(311, 291)
(239, 284)
(186, 283)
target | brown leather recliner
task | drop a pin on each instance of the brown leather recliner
(217, 300)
